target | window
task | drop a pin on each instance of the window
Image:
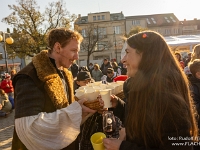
(103, 17)
(173, 19)
(153, 20)
(167, 19)
(116, 29)
(148, 21)
(98, 17)
(176, 31)
(94, 18)
(136, 22)
(102, 31)
(167, 31)
(83, 33)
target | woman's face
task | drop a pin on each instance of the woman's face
(131, 60)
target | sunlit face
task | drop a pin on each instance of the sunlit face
(132, 60)
(83, 83)
(110, 74)
(67, 55)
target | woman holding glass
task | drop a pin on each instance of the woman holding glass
(159, 108)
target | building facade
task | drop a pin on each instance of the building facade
(165, 24)
(12, 62)
(110, 28)
(114, 26)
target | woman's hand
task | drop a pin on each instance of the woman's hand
(122, 134)
(112, 144)
(114, 100)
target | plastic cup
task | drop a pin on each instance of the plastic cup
(97, 140)
(105, 95)
(92, 94)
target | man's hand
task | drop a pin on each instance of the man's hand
(85, 109)
(0, 106)
(112, 144)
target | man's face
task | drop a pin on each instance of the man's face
(110, 74)
(83, 83)
(68, 54)
(105, 62)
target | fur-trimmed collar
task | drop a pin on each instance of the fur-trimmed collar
(47, 73)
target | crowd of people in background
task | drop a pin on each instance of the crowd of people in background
(6, 93)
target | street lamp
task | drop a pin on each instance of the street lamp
(8, 40)
(115, 45)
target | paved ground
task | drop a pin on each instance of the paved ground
(6, 131)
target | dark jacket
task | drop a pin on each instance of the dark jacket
(104, 68)
(36, 94)
(195, 92)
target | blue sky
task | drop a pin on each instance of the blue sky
(183, 9)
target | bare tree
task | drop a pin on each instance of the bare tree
(31, 26)
(95, 40)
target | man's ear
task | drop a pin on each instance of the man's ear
(57, 47)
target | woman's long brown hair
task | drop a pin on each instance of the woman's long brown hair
(159, 93)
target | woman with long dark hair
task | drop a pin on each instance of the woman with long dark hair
(159, 110)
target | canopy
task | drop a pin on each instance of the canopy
(183, 40)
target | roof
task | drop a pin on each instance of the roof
(191, 23)
(167, 19)
(117, 16)
(113, 16)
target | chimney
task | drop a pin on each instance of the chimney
(79, 15)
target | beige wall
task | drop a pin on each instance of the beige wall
(106, 14)
(109, 25)
(130, 25)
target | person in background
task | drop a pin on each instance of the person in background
(159, 103)
(5, 105)
(104, 67)
(110, 75)
(82, 79)
(117, 69)
(74, 69)
(97, 73)
(90, 67)
(179, 58)
(194, 67)
(195, 53)
(13, 73)
(83, 68)
(7, 85)
(47, 116)
(188, 59)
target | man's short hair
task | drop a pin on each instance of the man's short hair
(194, 67)
(62, 36)
(83, 75)
(110, 70)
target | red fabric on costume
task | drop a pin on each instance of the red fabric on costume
(120, 78)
